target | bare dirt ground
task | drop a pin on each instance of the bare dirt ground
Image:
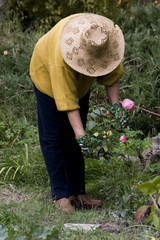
(8, 195)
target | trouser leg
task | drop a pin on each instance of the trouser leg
(62, 154)
(52, 141)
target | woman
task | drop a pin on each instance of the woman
(65, 63)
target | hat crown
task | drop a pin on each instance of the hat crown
(95, 36)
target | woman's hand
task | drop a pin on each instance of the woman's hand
(88, 145)
(116, 108)
(121, 114)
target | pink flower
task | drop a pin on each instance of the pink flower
(123, 139)
(107, 112)
(127, 104)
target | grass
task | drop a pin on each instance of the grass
(23, 209)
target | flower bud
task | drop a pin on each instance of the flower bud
(127, 104)
(123, 139)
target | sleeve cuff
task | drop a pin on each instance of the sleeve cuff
(66, 105)
(112, 77)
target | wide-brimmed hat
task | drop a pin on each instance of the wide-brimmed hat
(92, 44)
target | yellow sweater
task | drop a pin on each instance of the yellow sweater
(52, 76)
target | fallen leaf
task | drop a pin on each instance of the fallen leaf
(140, 214)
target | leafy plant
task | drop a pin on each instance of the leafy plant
(15, 165)
(151, 211)
(36, 232)
(43, 232)
(21, 158)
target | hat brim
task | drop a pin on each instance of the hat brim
(102, 62)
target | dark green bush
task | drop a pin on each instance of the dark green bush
(47, 13)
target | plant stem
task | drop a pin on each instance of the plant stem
(145, 110)
(155, 204)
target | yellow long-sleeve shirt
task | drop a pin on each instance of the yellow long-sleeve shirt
(52, 76)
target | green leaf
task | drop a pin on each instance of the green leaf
(91, 125)
(149, 218)
(105, 148)
(158, 201)
(153, 208)
(156, 221)
(3, 233)
(45, 232)
(147, 188)
(156, 182)
(96, 134)
(102, 159)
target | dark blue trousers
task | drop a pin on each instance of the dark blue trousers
(62, 154)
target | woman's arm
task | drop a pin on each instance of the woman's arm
(74, 116)
(76, 123)
(113, 93)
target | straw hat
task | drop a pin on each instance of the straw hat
(91, 44)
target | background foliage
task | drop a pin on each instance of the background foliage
(47, 13)
(141, 78)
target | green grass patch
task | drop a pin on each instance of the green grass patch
(29, 213)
